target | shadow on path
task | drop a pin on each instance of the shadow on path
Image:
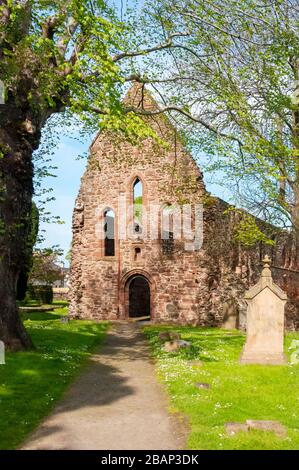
(116, 403)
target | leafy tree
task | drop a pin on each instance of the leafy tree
(28, 261)
(235, 75)
(68, 256)
(45, 267)
(138, 208)
(247, 231)
(56, 55)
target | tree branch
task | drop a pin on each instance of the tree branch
(63, 41)
(221, 30)
(165, 109)
(166, 45)
(49, 26)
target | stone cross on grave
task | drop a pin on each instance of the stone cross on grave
(265, 321)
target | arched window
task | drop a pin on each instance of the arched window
(137, 205)
(167, 229)
(109, 232)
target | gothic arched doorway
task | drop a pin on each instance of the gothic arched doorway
(139, 297)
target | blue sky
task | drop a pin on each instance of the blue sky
(65, 188)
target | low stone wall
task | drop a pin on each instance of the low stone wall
(60, 293)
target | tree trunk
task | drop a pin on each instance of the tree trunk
(295, 221)
(16, 190)
(295, 133)
(12, 330)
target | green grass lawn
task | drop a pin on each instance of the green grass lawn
(31, 382)
(237, 392)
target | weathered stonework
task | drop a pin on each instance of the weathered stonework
(265, 321)
(188, 287)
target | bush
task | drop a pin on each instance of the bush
(30, 294)
(43, 294)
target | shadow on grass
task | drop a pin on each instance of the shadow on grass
(31, 381)
(40, 316)
(101, 383)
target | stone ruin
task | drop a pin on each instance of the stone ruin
(116, 277)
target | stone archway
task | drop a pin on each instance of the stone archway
(137, 295)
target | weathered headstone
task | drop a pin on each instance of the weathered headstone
(202, 385)
(265, 321)
(169, 336)
(262, 425)
(175, 345)
(230, 315)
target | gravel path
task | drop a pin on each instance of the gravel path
(116, 403)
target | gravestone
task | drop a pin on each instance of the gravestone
(230, 315)
(265, 321)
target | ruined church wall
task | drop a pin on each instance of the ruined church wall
(189, 287)
(237, 268)
(97, 281)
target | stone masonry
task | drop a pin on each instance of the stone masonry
(198, 286)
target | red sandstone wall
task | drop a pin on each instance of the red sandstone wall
(98, 281)
(186, 287)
